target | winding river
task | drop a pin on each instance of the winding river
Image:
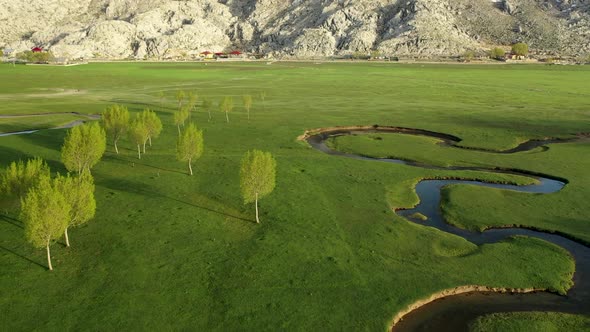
(454, 312)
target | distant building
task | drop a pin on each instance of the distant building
(37, 49)
(221, 55)
(235, 54)
(206, 55)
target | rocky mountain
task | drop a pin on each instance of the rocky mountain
(422, 28)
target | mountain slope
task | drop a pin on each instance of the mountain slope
(154, 28)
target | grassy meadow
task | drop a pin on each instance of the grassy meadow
(170, 251)
(531, 321)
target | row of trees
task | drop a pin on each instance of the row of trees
(49, 206)
(187, 103)
(518, 49)
(257, 172)
(498, 53)
(140, 130)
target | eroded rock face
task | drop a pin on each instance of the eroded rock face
(161, 28)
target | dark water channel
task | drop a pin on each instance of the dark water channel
(455, 312)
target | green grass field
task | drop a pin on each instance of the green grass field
(531, 321)
(170, 251)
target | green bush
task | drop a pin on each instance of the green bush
(520, 49)
(35, 57)
(497, 53)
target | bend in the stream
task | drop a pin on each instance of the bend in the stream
(456, 311)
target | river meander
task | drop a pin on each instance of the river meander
(454, 312)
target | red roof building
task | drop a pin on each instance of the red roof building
(37, 49)
(236, 52)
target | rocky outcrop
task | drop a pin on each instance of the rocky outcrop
(423, 28)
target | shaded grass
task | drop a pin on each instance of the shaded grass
(10, 125)
(531, 321)
(170, 251)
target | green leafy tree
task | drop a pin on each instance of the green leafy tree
(79, 194)
(45, 213)
(181, 116)
(226, 106)
(138, 134)
(247, 100)
(207, 105)
(42, 57)
(115, 121)
(19, 176)
(497, 53)
(25, 56)
(257, 176)
(190, 145)
(153, 124)
(83, 147)
(520, 49)
(180, 98)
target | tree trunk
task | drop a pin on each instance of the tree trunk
(178, 126)
(227, 117)
(257, 220)
(67, 238)
(248, 114)
(190, 168)
(144, 146)
(138, 151)
(150, 138)
(116, 148)
(49, 257)
(209, 115)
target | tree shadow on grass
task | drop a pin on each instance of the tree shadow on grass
(51, 139)
(12, 221)
(8, 155)
(143, 105)
(145, 190)
(17, 223)
(139, 162)
(22, 256)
